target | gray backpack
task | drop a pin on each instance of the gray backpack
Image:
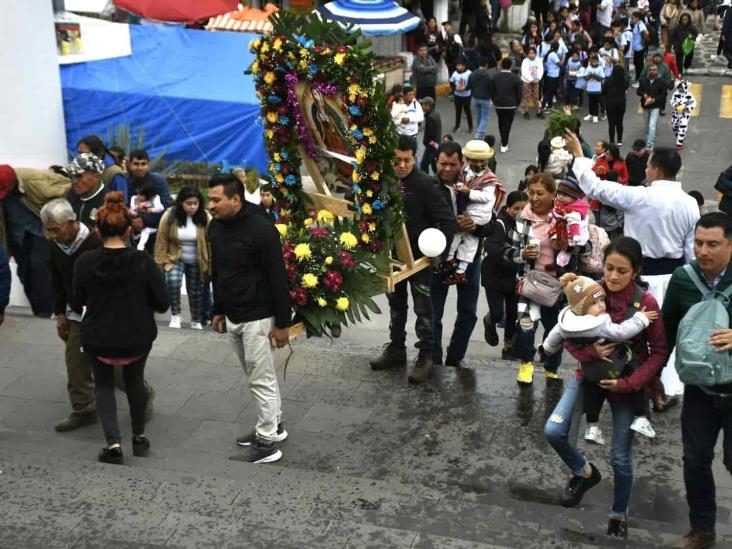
(697, 362)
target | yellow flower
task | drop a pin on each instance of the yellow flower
(348, 240)
(375, 175)
(279, 178)
(353, 89)
(277, 45)
(368, 132)
(329, 260)
(302, 251)
(303, 64)
(339, 58)
(308, 221)
(269, 77)
(372, 226)
(291, 56)
(281, 228)
(355, 176)
(369, 193)
(265, 47)
(366, 209)
(342, 303)
(254, 44)
(276, 157)
(303, 53)
(326, 51)
(360, 155)
(372, 140)
(272, 117)
(365, 237)
(309, 280)
(255, 67)
(322, 302)
(269, 134)
(324, 216)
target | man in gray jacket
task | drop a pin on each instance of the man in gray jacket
(424, 73)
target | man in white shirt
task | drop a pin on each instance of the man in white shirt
(604, 17)
(408, 116)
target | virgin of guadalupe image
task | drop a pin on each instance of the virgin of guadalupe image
(333, 137)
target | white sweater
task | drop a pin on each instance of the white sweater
(532, 71)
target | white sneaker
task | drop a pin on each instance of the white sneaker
(174, 321)
(643, 426)
(636, 84)
(594, 434)
(504, 149)
(713, 56)
(196, 326)
(588, 117)
(594, 120)
(619, 143)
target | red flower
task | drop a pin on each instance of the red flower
(333, 280)
(299, 296)
(374, 245)
(347, 260)
(319, 232)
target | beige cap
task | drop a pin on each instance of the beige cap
(476, 149)
(558, 142)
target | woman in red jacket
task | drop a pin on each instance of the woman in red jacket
(623, 262)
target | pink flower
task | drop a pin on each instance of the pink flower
(374, 245)
(299, 296)
(319, 232)
(333, 280)
(347, 260)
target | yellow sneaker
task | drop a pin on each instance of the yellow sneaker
(526, 373)
(550, 375)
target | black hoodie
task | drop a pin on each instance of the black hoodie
(121, 289)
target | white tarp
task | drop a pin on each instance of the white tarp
(89, 6)
(100, 39)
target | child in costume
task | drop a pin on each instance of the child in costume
(585, 321)
(682, 102)
(145, 201)
(571, 229)
(479, 194)
(559, 158)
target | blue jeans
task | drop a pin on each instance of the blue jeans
(495, 14)
(561, 432)
(523, 345)
(482, 112)
(467, 312)
(702, 417)
(651, 116)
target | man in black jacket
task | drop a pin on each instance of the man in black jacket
(432, 134)
(506, 98)
(652, 91)
(480, 83)
(425, 207)
(251, 303)
(139, 177)
(71, 239)
(87, 190)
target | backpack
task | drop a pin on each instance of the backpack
(698, 362)
(592, 262)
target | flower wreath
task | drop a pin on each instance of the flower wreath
(332, 263)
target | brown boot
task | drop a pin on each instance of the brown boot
(696, 539)
(422, 368)
(74, 421)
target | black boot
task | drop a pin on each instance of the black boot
(577, 487)
(491, 335)
(422, 368)
(393, 355)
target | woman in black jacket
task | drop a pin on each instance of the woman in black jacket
(121, 288)
(683, 30)
(499, 276)
(615, 101)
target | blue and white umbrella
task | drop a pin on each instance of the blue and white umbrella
(373, 17)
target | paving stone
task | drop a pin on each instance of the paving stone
(213, 406)
(333, 419)
(37, 536)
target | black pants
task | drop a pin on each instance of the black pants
(429, 156)
(33, 272)
(463, 104)
(426, 91)
(134, 377)
(615, 115)
(595, 398)
(551, 86)
(638, 60)
(594, 99)
(505, 121)
(500, 303)
(420, 286)
(683, 61)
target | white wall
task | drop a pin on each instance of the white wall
(31, 110)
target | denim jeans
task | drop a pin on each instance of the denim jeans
(482, 113)
(651, 117)
(495, 14)
(702, 417)
(523, 345)
(561, 432)
(420, 285)
(467, 312)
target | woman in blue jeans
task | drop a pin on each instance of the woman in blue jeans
(622, 265)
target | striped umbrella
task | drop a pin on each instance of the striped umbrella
(373, 17)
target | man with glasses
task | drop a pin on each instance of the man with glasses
(424, 207)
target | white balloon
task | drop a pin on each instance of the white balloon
(432, 242)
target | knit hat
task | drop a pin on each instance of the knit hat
(477, 149)
(581, 292)
(85, 162)
(570, 187)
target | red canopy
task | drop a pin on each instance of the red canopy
(181, 11)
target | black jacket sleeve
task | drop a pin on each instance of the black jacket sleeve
(495, 243)
(216, 308)
(440, 212)
(157, 289)
(5, 279)
(273, 265)
(79, 284)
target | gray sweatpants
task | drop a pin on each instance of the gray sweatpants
(256, 355)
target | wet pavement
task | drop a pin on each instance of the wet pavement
(460, 462)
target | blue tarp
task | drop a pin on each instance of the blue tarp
(186, 89)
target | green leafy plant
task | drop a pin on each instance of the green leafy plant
(559, 122)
